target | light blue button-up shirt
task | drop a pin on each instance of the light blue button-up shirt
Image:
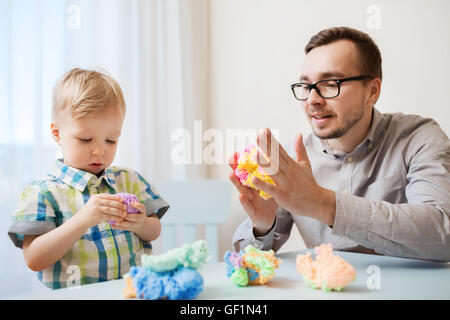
(392, 193)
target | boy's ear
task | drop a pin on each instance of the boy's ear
(55, 132)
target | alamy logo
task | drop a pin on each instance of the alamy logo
(73, 20)
(214, 146)
(73, 281)
(374, 18)
(374, 280)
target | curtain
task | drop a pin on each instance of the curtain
(155, 49)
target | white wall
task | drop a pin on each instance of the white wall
(256, 52)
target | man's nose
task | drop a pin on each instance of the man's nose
(314, 97)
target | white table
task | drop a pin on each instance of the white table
(399, 279)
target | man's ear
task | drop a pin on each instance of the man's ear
(55, 132)
(375, 91)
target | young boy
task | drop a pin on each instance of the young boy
(61, 221)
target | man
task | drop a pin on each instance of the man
(364, 181)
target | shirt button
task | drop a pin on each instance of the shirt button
(370, 146)
(349, 159)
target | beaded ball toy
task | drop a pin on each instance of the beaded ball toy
(327, 271)
(128, 199)
(172, 275)
(251, 266)
(247, 168)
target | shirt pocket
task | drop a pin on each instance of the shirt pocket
(390, 189)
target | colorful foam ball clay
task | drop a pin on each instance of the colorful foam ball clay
(172, 275)
(128, 199)
(327, 272)
(247, 168)
(251, 266)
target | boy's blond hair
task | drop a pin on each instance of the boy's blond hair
(86, 93)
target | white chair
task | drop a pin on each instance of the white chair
(193, 203)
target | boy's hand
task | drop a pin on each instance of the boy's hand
(102, 207)
(133, 221)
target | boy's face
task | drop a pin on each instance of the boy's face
(90, 143)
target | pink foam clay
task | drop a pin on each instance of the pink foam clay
(128, 199)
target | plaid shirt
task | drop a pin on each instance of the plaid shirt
(102, 253)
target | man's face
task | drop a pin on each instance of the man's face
(337, 117)
(90, 143)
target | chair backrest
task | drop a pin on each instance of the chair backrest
(193, 203)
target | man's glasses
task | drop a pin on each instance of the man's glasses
(325, 88)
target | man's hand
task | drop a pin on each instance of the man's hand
(295, 189)
(261, 212)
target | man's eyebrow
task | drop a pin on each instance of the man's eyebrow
(325, 75)
(304, 78)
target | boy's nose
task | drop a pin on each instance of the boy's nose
(98, 151)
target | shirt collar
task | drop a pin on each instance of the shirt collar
(376, 129)
(79, 179)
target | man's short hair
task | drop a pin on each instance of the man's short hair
(86, 93)
(370, 56)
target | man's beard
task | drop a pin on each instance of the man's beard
(349, 121)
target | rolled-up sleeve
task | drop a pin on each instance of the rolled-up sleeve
(419, 228)
(150, 197)
(272, 240)
(34, 215)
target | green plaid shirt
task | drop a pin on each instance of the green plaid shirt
(102, 253)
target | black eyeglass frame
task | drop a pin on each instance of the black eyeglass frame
(338, 81)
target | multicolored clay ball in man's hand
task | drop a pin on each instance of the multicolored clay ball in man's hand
(247, 168)
(128, 199)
